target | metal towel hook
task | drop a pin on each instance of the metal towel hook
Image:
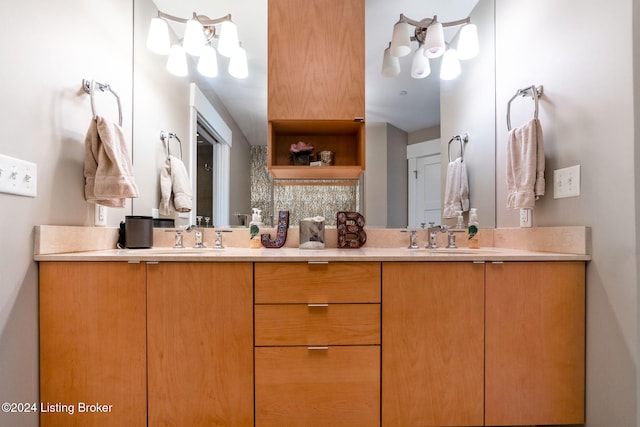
(464, 138)
(535, 92)
(89, 87)
(166, 138)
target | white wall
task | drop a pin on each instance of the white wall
(162, 103)
(467, 105)
(581, 51)
(48, 48)
(375, 175)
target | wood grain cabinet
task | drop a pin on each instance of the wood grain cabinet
(316, 85)
(496, 344)
(433, 344)
(317, 337)
(200, 344)
(159, 344)
(92, 344)
(535, 343)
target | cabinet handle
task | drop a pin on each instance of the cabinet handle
(134, 261)
(318, 347)
(318, 305)
(478, 262)
(497, 262)
(318, 262)
(153, 262)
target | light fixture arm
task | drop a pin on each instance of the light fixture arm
(204, 20)
(424, 23)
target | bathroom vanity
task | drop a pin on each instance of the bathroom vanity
(272, 337)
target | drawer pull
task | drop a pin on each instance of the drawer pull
(318, 262)
(318, 305)
(318, 347)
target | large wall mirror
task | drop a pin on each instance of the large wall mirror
(409, 111)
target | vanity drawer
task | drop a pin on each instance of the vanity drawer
(330, 324)
(336, 386)
(301, 282)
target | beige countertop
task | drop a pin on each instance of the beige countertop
(310, 255)
(71, 243)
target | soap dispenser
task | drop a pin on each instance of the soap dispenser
(254, 228)
(474, 223)
(460, 223)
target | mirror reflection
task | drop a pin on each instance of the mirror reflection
(409, 121)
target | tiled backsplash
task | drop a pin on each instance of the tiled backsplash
(302, 198)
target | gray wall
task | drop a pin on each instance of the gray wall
(50, 47)
(587, 118)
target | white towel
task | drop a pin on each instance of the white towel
(525, 165)
(175, 187)
(108, 171)
(456, 194)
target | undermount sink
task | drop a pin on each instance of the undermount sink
(451, 251)
(171, 251)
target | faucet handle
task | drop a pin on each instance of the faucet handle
(412, 238)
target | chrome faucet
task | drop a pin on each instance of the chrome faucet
(198, 236)
(217, 242)
(433, 232)
(412, 239)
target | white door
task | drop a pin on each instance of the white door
(424, 175)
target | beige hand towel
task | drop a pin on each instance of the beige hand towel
(525, 165)
(175, 187)
(456, 195)
(107, 165)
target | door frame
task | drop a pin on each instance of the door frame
(414, 152)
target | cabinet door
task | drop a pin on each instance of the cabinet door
(200, 344)
(92, 344)
(316, 59)
(333, 386)
(432, 343)
(535, 343)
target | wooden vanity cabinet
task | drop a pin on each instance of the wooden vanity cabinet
(317, 337)
(200, 343)
(93, 343)
(316, 85)
(535, 343)
(433, 344)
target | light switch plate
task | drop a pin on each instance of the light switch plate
(566, 182)
(18, 176)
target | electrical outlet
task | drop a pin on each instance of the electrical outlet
(566, 182)
(101, 215)
(525, 217)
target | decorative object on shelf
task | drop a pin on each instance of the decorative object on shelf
(351, 232)
(312, 233)
(301, 153)
(199, 34)
(281, 232)
(327, 158)
(429, 33)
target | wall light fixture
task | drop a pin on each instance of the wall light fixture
(200, 31)
(429, 33)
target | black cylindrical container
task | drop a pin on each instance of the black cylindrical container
(138, 231)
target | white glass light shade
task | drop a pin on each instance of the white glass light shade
(177, 62)
(400, 41)
(228, 43)
(468, 42)
(208, 62)
(420, 67)
(193, 38)
(450, 68)
(434, 41)
(390, 64)
(238, 64)
(158, 37)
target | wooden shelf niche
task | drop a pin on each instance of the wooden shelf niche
(345, 138)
